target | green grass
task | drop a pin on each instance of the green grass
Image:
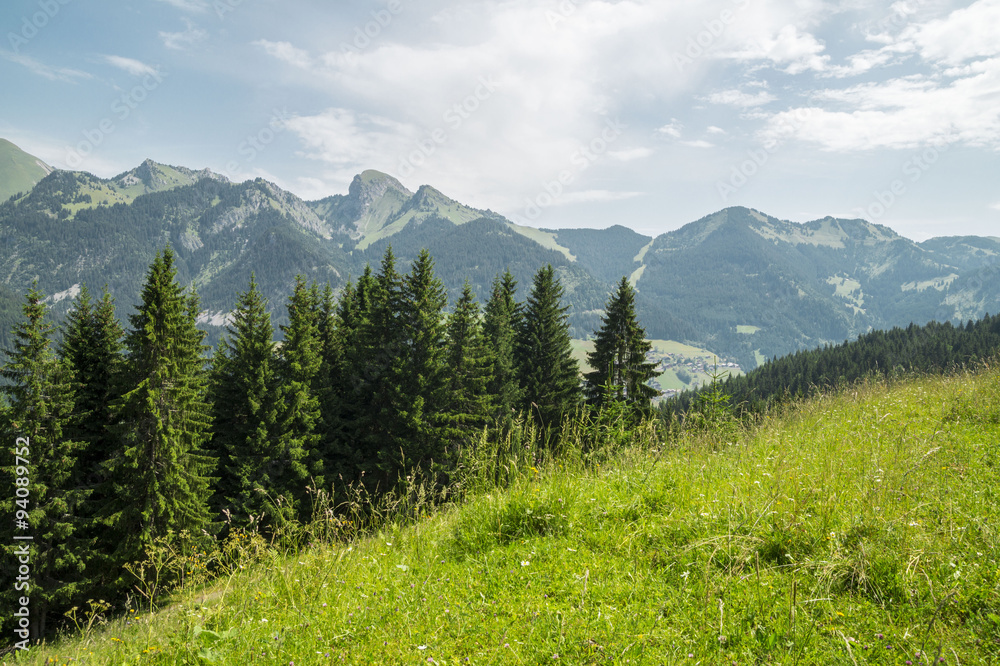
(858, 528)
(19, 171)
(546, 239)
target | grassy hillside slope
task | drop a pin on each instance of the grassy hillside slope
(860, 528)
(19, 171)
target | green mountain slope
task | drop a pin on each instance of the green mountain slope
(857, 529)
(478, 251)
(753, 285)
(221, 232)
(377, 206)
(607, 254)
(19, 171)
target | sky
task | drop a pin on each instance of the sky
(555, 113)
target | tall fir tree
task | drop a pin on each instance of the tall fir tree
(548, 373)
(92, 347)
(340, 405)
(374, 357)
(160, 475)
(423, 399)
(620, 369)
(329, 382)
(40, 458)
(299, 408)
(243, 391)
(469, 365)
(501, 322)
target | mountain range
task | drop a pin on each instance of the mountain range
(741, 283)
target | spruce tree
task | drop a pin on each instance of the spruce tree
(92, 348)
(243, 390)
(423, 400)
(501, 321)
(469, 365)
(329, 382)
(299, 457)
(338, 404)
(374, 357)
(620, 369)
(37, 450)
(159, 476)
(548, 372)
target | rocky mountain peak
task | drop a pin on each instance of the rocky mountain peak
(370, 186)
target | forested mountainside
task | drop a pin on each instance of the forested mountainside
(738, 282)
(929, 349)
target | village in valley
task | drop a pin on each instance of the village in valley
(681, 367)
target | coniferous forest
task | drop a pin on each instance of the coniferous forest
(141, 434)
(933, 348)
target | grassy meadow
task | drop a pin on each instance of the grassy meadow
(856, 528)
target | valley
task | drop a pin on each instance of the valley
(680, 366)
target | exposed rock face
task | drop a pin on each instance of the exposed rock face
(368, 188)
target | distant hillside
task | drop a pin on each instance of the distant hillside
(934, 348)
(74, 228)
(19, 171)
(607, 253)
(756, 287)
(480, 250)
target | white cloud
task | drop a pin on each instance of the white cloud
(516, 105)
(995, 206)
(966, 33)
(65, 74)
(712, 129)
(698, 143)
(130, 65)
(347, 140)
(285, 52)
(901, 113)
(672, 129)
(741, 99)
(859, 63)
(181, 40)
(795, 52)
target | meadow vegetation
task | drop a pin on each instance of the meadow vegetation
(856, 527)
